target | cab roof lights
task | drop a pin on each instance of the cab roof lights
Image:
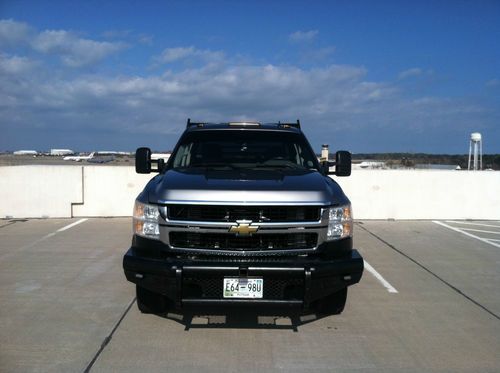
(244, 124)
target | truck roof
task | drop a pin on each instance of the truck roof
(279, 126)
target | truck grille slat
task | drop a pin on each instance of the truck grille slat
(254, 213)
(224, 241)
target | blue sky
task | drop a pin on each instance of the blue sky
(394, 76)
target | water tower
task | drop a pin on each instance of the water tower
(325, 153)
(476, 143)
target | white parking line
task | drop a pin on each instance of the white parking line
(480, 230)
(378, 276)
(34, 243)
(71, 225)
(60, 230)
(469, 223)
(466, 233)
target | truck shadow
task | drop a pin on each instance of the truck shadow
(236, 318)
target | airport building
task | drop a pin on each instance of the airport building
(61, 152)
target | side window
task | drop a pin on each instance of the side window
(183, 158)
(302, 158)
(294, 154)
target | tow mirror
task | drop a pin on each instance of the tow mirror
(143, 161)
(343, 163)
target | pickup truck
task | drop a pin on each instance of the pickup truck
(242, 214)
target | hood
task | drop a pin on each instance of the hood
(248, 187)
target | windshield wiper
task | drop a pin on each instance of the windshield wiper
(281, 165)
(215, 165)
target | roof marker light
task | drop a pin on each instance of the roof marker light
(245, 124)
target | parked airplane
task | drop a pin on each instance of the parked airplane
(101, 159)
(78, 158)
(372, 164)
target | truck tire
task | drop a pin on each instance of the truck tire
(149, 302)
(333, 304)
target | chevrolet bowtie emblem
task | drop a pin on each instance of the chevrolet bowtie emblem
(244, 228)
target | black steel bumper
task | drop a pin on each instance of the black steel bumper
(288, 281)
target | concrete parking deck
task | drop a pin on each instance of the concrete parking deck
(430, 301)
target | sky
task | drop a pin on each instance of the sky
(364, 76)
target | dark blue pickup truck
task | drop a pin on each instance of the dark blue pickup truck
(242, 213)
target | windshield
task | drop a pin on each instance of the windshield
(244, 149)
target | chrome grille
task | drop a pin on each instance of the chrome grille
(272, 214)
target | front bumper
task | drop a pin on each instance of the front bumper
(288, 281)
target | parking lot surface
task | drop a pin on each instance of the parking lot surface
(428, 301)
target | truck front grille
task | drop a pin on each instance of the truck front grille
(256, 242)
(274, 214)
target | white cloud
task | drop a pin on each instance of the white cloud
(330, 100)
(334, 94)
(12, 32)
(145, 39)
(416, 71)
(493, 83)
(74, 51)
(128, 36)
(170, 55)
(174, 54)
(263, 92)
(15, 64)
(303, 36)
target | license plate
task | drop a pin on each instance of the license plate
(243, 287)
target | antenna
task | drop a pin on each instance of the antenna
(476, 143)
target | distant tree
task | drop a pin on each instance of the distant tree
(496, 161)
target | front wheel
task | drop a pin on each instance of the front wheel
(333, 304)
(149, 302)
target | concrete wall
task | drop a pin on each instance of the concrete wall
(423, 194)
(39, 191)
(80, 191)
(110, 190)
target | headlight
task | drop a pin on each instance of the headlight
(146, 220)
(339, 222)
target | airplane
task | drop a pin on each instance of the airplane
(102, 159)
(372, 164)
(78, 158)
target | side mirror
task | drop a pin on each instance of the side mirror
(143, 161)
(343, 163)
